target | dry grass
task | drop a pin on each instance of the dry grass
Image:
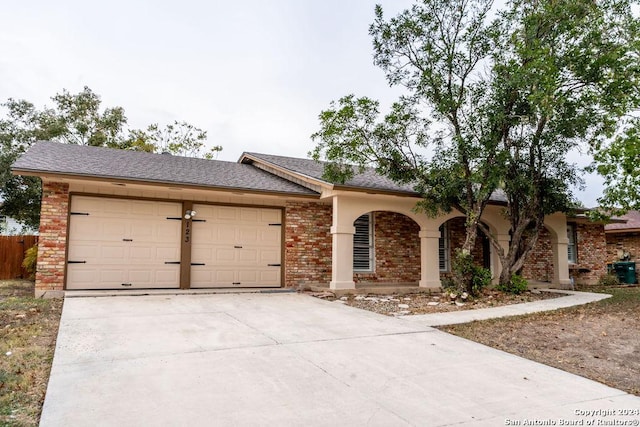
(600, 341)
(28, 330)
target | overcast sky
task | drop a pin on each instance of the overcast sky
(254, 73)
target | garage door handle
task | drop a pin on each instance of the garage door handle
(76, 262)
(172, 262)
(238, 247)
(236, 283)
(274, 265)
(127, 240)
(126, 284)
(198, 263)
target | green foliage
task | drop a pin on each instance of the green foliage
(30, 260)
(467, 276)
(608, 280)
(516, 285)
(491, 104)
(77, 119)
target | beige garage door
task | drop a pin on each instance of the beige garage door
(123, 244)
(236, 247)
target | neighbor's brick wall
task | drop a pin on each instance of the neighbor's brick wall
(53, 237)
(307, 237)
(539, 265)
(628, 242)
(592, 253)
(397, 250)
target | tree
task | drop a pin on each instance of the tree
(77, 119)
(499, 103)
(617, 161)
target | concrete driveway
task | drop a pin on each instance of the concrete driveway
(289, 359)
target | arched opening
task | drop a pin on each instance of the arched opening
(452, 237)
(386, 248)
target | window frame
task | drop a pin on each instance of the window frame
(572, 244)
(444, 249)
(367, 248)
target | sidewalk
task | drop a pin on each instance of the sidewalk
(466, 316)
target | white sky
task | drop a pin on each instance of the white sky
(254, 73)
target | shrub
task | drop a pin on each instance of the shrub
(30, 261)
(467, 276)
(608, 280)
(516, 285)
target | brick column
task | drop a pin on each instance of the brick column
(53, 240)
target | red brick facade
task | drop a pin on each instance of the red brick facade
(457, 235)
(53, 238)
(307, 237)
(591, 252)
(625, 242)
(397, 250)
(539, 265)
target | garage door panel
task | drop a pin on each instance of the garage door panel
(123, 242)
(236, 244)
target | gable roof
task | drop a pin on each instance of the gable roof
(367, 180)
(631, 223)
(83, 161)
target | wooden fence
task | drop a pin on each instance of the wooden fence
(12, 254)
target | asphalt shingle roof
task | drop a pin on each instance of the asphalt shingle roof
(632, 222)
(369, 179)
(77, 160)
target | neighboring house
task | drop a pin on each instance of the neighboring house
(623, 238)
(114, 219)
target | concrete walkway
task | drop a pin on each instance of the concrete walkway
(294, 360)
(465, 316)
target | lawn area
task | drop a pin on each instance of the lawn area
(600, 341)
(28, 330)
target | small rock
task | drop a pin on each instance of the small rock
(433, 303)
(535, 291)
(384, 300)
(359, 298)
(394, 300)
(21, 316)
(372, 299)
(344, 298)
(341, 301)
(435, 298)
(460, 304)
(402, 313)
(464, 295)
(8, 353)
(453, 296)
(406, 299)
(403, 305)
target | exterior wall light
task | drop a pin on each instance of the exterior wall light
(189, 214)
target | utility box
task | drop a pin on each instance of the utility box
(625, 270)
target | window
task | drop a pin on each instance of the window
(443, 248)
(363, 244)
(571, 247)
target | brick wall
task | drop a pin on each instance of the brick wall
(626, 242)
(539, 265)
(307, 243)
(591, 250)
(592, 253)
(53, 238)
(397, 250)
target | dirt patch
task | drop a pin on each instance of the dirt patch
(600, 341)
(425, 303)
(28, 330)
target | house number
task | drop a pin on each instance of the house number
(187, 232)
